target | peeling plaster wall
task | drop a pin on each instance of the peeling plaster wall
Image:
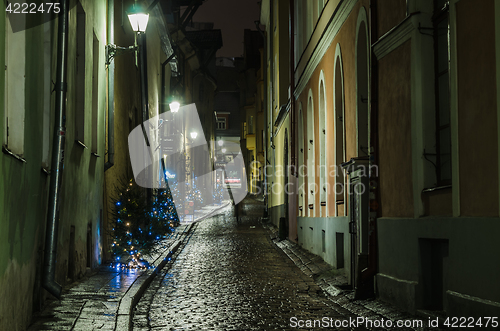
(16, 292)
(24, 186)
(23, 192)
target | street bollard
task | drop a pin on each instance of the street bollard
(282, 228)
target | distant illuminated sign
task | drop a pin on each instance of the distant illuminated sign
(169, 175)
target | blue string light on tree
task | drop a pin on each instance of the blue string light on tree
(132, 215)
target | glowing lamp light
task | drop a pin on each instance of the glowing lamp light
(194, 135)
(174, 106)
(138, 20)
(220, 142)
(223, 150)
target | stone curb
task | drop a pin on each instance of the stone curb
(137, 289)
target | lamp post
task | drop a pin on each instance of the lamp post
(139, 22)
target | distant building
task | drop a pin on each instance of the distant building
(252, 89)
(398, 98)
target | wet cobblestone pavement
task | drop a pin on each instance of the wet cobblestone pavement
(226, 273)
(230, 276)
(90, 304)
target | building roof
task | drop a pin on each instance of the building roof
(253, 41)
(205, 38)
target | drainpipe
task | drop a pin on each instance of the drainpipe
(369, 273)
(271, 53)
(49, 268)
(264, 73)
(143, 69)
(162, 92)
(292, 89)
(111, 89)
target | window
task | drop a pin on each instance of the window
(312, 189)
(95, 95)
(201, 92)
(250, 125)
(362, 79)
(221, 123)
(80, 75)
(441, 81)
(302, 190)
(15, 59)
(339, 125)
(323, 187)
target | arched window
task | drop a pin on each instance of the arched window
(312, 188)
(339, 125)
(322, 147)
(362, 97)
(301, 172)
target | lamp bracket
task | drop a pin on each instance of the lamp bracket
(113, 50)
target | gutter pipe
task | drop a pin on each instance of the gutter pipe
(264, 73)
(51, 233)
(111, 89)
(292, 91)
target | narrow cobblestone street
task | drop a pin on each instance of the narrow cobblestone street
(229, 273)
(230, 276)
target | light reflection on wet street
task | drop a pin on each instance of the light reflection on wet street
(230, 276)
(90, 304)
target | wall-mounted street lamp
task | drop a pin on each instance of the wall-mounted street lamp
(223, 150)
(139, 21)
(220, 142)
(174, 106)
(194, 134)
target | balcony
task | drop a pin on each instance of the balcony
(250, 141)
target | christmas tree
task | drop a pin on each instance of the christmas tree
(138, 226)
(164, 209)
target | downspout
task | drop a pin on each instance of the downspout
(162, 92)
(293, 124)
(57, 162)
(273, 87)
(264, 73)
(292, 89)
(111, 89)
(143, 69)
(369, 273)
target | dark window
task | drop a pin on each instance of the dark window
(95, 96)
(201, 92)
(221, 123)
(80, 75)
(442, 90)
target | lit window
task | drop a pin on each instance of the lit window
(221, 123)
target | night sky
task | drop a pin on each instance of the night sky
(232, 17)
